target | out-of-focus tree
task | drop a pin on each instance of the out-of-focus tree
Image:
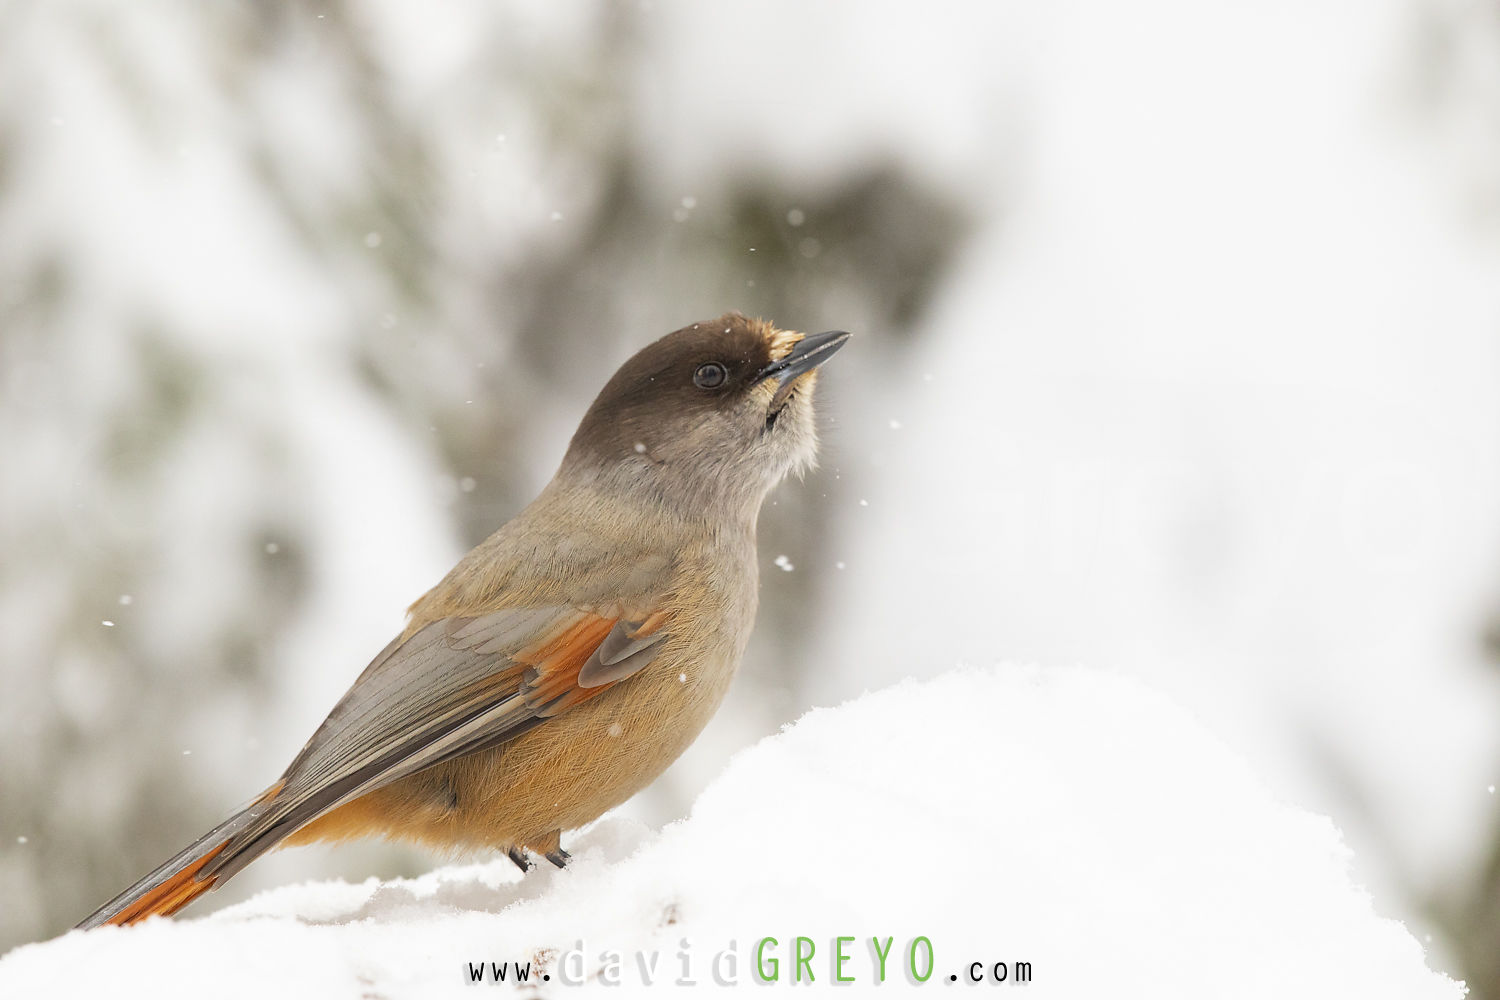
(1455, 99)
(295, 304)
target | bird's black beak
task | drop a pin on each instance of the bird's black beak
(807, 354)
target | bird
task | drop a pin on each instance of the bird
(571, 656)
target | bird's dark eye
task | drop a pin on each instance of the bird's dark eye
(710, 376)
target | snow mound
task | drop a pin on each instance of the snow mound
(1063, 825)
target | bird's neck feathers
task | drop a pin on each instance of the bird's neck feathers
(645, 496)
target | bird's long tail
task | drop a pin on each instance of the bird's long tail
(183, 878)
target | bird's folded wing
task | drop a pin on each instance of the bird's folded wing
(455, 686)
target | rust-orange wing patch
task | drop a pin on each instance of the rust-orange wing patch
(588, 656)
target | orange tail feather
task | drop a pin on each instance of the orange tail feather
(173, 894)
(183, 878)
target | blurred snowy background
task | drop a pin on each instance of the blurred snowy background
(1179, 352)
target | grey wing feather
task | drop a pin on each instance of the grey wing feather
(619, 655)
(418, 703)
(412, 693)
(420, 682)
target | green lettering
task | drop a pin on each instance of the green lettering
(912, 959)
(804, 961)
(760, 961)
(839, 958)
(881, 954)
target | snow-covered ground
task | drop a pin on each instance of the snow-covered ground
(1067, 819)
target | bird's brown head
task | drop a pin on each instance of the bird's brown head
(715, 413)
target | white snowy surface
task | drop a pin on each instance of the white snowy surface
(1069, 819)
